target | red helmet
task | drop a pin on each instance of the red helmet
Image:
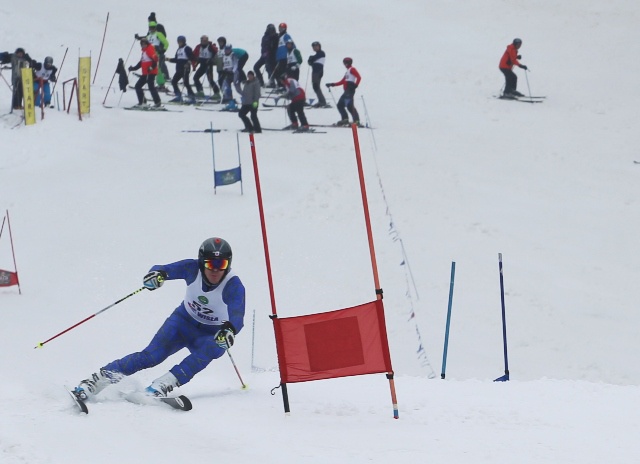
(348, 61)
(283, 26)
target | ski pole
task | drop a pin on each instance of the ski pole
(244, 385)
(95, 74)
(527, 76)
(41, 344)
(332, 97)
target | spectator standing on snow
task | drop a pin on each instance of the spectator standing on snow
(18, 59)
(149, 64)
(205, 53)
(296, 94)
(219, 62)
(349, 83)
(205, 322)
(183, 60)
(250, 101)
(294, 60)
(161, 44)
(268, 47)
(43, 74)
(316, 62)
(510, 59)
(281, 52)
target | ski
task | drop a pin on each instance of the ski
(205, 130)
(308, 131)
(348, 126)
(82, 406)
(268, 105)
(151, 109)
(176, 402)
(222, 110)
(522, 99)
(636, 162)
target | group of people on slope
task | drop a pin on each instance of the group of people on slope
(43, 73)
(279, 56)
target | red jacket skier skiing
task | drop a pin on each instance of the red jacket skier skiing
(507, 62)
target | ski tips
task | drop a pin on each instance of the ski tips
(39, 345)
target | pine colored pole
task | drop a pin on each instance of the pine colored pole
(372, 253)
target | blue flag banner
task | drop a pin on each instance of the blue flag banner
(228, 177)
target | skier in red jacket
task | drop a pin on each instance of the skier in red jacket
(507, 62)
(349, 83)
(149, 64)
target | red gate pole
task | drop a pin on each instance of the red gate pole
(372, 253)
(59, 74)
(274, 313)
(15, 266)
(101, 46)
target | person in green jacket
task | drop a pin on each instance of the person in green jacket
(160, 42)
(294, 60)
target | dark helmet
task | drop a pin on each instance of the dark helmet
(48, 61)
(348, 61)
(222, 40)
(144, 40)
(313, 44)
(228, 48)
(271, 28)
(214, 248)
(517, 41)
(19, 50)
(182, 38)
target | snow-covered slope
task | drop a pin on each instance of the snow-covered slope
(454, 173)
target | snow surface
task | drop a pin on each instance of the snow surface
(452, 175)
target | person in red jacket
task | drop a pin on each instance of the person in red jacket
(507, 62)
(149, 64)
(349, 83)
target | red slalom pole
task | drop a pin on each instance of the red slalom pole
(101, 47)
(41, 344)
(374, 265)
(13, 252)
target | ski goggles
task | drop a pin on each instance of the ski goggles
(220, 264)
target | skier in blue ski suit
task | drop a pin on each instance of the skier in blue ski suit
(205, 322)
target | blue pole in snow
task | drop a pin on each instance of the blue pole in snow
(213, 155)
(446, 332)
(505, 377)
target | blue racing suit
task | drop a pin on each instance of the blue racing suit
(192, 325)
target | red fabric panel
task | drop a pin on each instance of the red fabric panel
(7, 279)
(340, 343)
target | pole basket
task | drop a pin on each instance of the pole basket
(74, 90)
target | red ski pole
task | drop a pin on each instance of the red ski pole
(101, 47)
(41, 344)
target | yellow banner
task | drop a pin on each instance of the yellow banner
(84, 84)
(29, 98)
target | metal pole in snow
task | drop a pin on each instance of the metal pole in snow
(446, 331)
(504, 325)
